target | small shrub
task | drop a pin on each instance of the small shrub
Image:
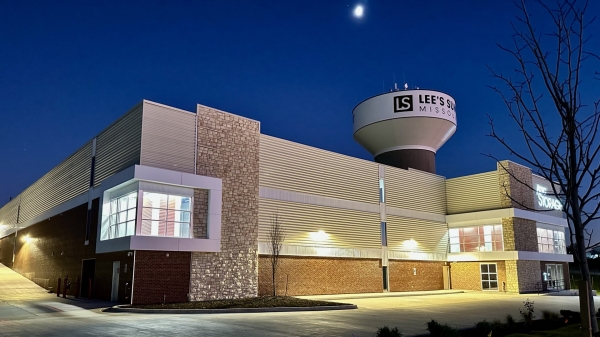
(441, 330)
(570, 316)
(548, 315)
(510, 321)
(483, 328)
(527, 312)
(387, 332)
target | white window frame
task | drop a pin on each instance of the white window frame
(481, 280)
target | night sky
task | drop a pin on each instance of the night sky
(70, 68)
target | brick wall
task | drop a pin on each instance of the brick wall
(316, 275)
(467, 275)
(430, 275)
(228, 148)
(161, 276)
(56, 249)
(6, 250)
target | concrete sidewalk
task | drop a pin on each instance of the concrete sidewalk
(342, 297)
(27, 310)
(18, 291)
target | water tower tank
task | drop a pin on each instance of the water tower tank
(405, 128)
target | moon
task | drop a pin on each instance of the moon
(358, 11)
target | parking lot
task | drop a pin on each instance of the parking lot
(27, 310)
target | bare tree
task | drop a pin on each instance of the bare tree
(276, 236)
(558, 129)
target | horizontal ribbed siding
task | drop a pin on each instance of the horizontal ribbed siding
(346, 228)
(8, 216)
(300, 168)
(168, 137)
(67, 180)
(415, 190)
(478, 192)
(118, 147)
(431, 237)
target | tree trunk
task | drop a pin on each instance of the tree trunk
(585, 301)
(274, 285)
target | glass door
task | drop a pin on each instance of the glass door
(555, 276)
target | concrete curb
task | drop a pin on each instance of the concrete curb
(127, 309)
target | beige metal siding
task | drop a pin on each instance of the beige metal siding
(168, 137)
(431, 237)
(478, 192)
(415, 190)
(8, 216)
(118, 147)
(346, 228)
(67, 180)
(300, 168)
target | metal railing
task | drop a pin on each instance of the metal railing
(548, 286)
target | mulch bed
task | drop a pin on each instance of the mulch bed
(253, 302)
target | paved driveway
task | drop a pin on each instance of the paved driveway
(26, 310)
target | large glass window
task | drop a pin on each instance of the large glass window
(550, 241)
(166, 215)
(489, 276)
(476, 239)
(121, 219)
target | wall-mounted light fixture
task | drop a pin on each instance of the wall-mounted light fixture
(318, 236)
(410, 244)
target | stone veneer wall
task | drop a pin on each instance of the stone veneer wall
(467, 275)
(522, 275)
(519, 234)
(515, 183)
(200, 213)
(228, 148)
(298, 275)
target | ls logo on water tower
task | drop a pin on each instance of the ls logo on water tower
(403, 103)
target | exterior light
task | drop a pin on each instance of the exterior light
(318, 236)
(26, 238)
(410, 244)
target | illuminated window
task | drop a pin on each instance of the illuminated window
(121, 219)
(166, 215)
(489, 276)
(476, 239)
(550, 241)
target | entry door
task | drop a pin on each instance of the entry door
(555, 276)
(88, 270)
(114, 295)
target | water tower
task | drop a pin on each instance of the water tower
(405, 128)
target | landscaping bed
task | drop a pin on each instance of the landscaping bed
(252, 302)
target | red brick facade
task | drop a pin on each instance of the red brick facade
(429, 275)
(315, 275)
(161, 276)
